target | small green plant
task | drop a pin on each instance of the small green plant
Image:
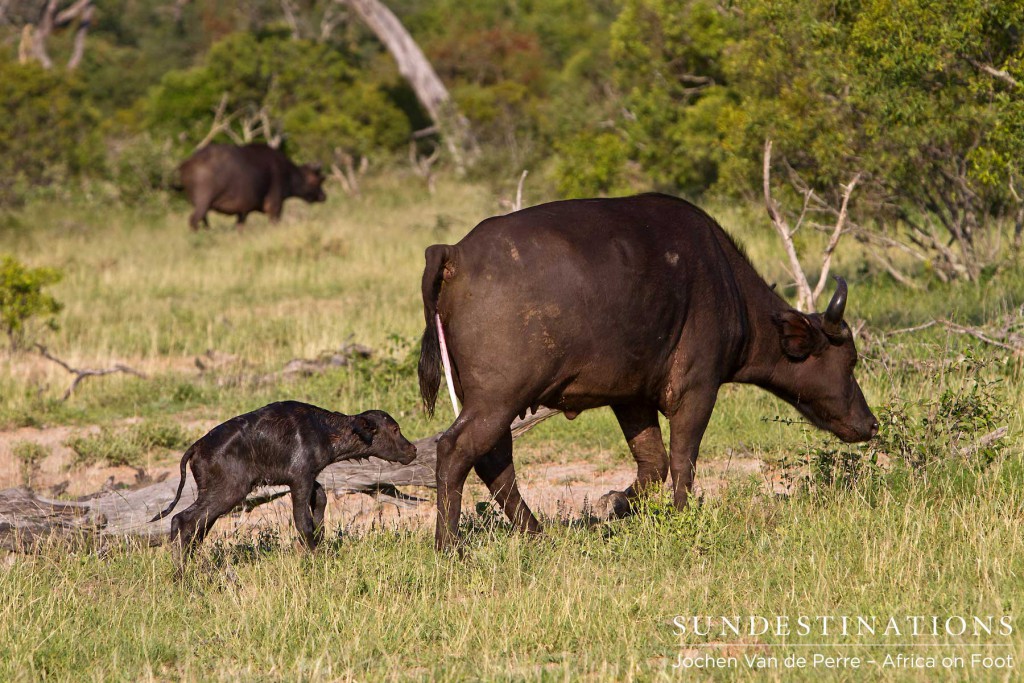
(29, 454)
(129, 445)
(959, 421)
(22, 298)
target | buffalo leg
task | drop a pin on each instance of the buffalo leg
(496, 470)
(302, 494)
(272, 207)
(687, 427)
(318, 504)
(458, 450)
(191, 525)
(199, 216)
(639, 424)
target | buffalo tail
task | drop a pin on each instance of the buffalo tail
(181, 485)
(437, 257)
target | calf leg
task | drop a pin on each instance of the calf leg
(639, 424)
(318, 504)
(496, 470)
(302, 494)
(240, 221)
(306, 497)
(687, 427)
(191, 525)
(458, 450)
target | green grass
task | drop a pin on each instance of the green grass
(596, 601)
(129, 445)
(942, 536)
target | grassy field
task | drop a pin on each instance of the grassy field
(908, 526)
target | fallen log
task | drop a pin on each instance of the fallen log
(25, 517)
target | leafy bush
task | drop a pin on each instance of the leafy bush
(47, 132)
(22, 298)
(141, 165)
(129, 445)
(592, 164)
(311, 89)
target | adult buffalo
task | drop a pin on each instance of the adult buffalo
(240, 180)
(643, 304)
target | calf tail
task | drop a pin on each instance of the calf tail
(181, 484)
(438, 257)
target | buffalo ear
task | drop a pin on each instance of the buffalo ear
(364, 428)
(799, 336)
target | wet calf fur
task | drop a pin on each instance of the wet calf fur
(286, 443)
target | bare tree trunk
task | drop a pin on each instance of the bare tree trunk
(415, 68)
(33, 38)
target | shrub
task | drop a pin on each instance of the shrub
(46, 131)
(141, 165)
(947, 427)
(29, 454)
(22, 298)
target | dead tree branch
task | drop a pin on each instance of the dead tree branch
(984, 442)
(519, 191)
(289, 16)
(221, 123)
(977, 334)
(1012, 342)
(34, 37)
(345, 171)
(1001, 74)
(806, 297)
(833, 240)
(423, 165)
(81, 373)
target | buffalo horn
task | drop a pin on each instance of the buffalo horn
(832, 321)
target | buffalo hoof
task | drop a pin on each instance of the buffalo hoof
(613, 505)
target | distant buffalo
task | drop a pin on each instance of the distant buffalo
(239, 180)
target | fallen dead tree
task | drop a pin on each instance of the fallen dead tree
(25, 517)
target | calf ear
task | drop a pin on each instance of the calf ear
(364, 428)
(799, 336)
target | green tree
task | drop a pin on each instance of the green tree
(922, 98)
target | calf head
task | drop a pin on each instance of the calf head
(310, 183)
(816, 372)
(382, 437)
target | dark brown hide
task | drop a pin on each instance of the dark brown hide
(286, 443)
(240, 180)
(641, 303)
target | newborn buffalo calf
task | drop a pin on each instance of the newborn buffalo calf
(282, 443)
